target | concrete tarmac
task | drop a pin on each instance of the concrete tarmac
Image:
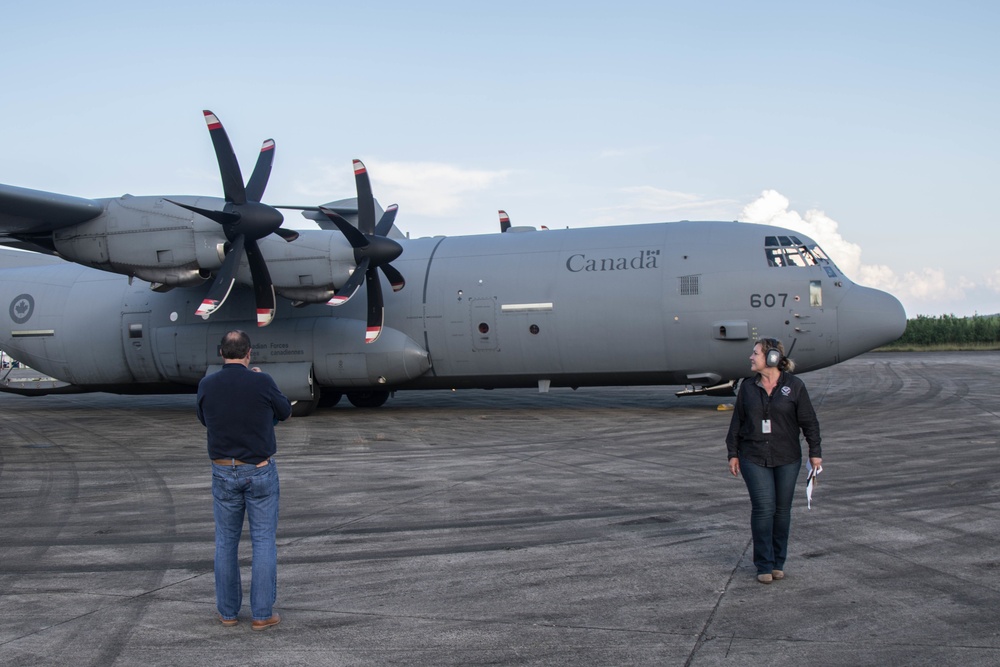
(595, 527)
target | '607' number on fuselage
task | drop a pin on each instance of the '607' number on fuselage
(768, 300)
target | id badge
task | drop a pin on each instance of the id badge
(765, 426)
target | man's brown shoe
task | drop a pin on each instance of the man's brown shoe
(777, 574)
(228, 622)
(264, 625)
(762, 578)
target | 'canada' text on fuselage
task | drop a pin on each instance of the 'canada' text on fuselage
(646, 259)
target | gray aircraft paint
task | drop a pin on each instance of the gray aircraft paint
(675, 304)
(678, 303)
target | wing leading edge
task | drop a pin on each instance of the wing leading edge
(24, 211)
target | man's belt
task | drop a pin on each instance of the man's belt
(237, 462)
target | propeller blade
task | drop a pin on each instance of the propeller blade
(221, 217)
(366, 202)
(261, 172)
(350, 232)
(376, 313)
(287, 234)
(244, 220)
(350, 288)
(394, 277)
(263, 289)
(385, 222)
(373, 250)
(224, 280)
(229, 168)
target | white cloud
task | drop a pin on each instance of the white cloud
(771, 208)
(993, 280)
(930, 285)
(656, 199)
(920, 288)
(420, 188)
(324, 183)
(645, 203)
(877, 275)
(433, 188)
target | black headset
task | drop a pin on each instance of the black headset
(773, 356)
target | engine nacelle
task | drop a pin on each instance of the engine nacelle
(168, 246)
(303, 295)
(164, 279)
(147, 237)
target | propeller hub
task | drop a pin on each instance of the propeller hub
(253, 219)
(244, 221)
(380, 250)
(373, 251)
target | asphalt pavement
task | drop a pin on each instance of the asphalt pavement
(508, 527)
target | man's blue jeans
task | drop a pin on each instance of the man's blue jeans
(253, 491)
(771, 491)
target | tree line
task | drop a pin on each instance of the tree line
(949, 330)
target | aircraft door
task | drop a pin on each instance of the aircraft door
(483, 314)
(803, 315)
(138, 347)
(807, 341)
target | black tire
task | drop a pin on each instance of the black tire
(329, 398)
(368, 399)
(306, 407)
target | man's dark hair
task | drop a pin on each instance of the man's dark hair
(235, 345)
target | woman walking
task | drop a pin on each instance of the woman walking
(772, 408)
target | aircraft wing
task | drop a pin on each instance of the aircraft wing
(348, 210)
(24, 211)
(11, 259)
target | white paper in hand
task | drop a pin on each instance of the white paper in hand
(810, 482)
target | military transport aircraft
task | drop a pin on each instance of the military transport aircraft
(134, 293)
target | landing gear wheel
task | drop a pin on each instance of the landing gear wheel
(328, 399)
(304, 408)
(367, 399)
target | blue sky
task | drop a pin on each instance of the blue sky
(870, 126)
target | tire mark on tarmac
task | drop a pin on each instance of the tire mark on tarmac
(117, 471)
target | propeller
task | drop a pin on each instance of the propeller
(245, 220)
(504, 221)
(373, 250)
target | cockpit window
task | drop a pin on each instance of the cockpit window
(791, 251)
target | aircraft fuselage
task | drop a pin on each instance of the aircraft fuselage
(657, 304)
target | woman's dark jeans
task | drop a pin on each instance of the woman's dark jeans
(771, 491)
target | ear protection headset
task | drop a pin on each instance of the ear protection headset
(772, 357)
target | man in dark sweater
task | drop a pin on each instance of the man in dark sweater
(240, 407)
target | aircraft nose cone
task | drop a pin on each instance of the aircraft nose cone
(866, 319)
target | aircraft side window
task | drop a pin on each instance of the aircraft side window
(484, 328)
(795, 259)
(533, 329)
(819, 254)
(794, 253)
(135, 330)
(816, 293)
